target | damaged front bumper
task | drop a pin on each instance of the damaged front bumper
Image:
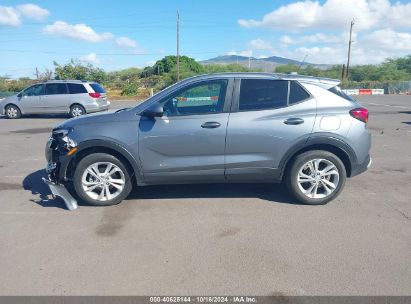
(61, 191)
(56, 166)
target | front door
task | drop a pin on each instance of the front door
(29, 101)
(187, 144)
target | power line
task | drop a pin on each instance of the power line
(103, 54)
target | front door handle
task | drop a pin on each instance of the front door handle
(210, 125)
(294, 121)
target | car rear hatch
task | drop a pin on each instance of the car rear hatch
(99, 93)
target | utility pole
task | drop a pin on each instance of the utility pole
(249, 62)
(37, 74)
(302, 62)
(349, 49)
(178, 46)
(343, 72)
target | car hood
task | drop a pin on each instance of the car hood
(12, 98)
(98, 118)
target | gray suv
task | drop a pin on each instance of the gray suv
(229, 127)
(73, 97)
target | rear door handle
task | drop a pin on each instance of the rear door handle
(294, 121)
(210, 125)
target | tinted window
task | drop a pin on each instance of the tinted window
(75, 88)
(56, 88)
(97, 88)
(260, 94)
(35, 90)
(337, 91)
(297, 93)
(207, 97)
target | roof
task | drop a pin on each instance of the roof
(67, 80)
(320, 81)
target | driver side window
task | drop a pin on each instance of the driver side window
(35, 90)
(202, 98)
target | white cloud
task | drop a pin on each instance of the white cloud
(246, 53)
(11, 16)
(76, 31)
(334, 14)
(90, 58)
(286, 40)
(126, 42)
(260, 44)
(32, 11)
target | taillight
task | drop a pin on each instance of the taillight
(95, 95)
(360, 114)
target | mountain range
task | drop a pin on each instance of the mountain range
(267, 64)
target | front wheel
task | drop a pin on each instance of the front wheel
(12, 112)
(316, 177)
(101, 179)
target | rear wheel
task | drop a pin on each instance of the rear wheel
(101, 179)
(77, 110)
(316, 177)
(13, 112)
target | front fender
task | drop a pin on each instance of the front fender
(97, 144)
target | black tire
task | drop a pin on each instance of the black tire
(12, 112)
(90, 197)
(77, 110)
(296, 189)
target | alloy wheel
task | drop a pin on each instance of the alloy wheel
(318, 178)
(12, 112)
(103, 181)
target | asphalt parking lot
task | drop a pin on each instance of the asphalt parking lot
(209, 239)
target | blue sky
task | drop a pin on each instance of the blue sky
(119, 34)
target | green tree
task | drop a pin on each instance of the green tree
(76, 69)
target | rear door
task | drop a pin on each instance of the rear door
(56, 98)
(187, 144)
(269, 116)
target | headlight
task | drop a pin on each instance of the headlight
(63, 134)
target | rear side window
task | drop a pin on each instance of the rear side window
(337, 91)
(56, 88)
(76, 88)
(261, 94)
(97, 88)
(297, 93)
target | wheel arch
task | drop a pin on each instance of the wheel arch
(324, 143)
(100, 146)
(12, 104)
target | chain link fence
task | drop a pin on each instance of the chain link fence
(389, 87)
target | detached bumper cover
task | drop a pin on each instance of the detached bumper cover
(61, 191)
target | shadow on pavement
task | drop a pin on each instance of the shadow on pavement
(275, 193)
(33, 182)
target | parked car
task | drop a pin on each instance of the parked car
(229, 127)
(73, 97)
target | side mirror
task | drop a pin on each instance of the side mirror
(155, 110)
(19, 95)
